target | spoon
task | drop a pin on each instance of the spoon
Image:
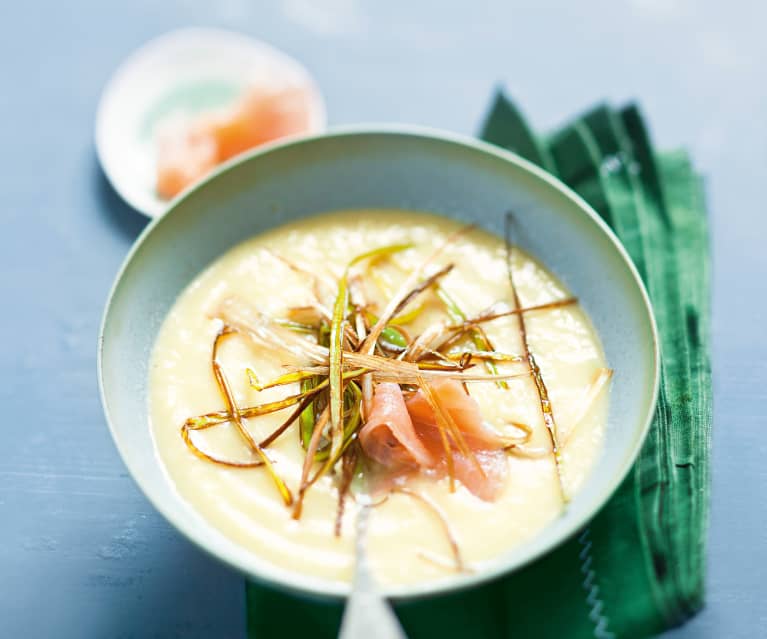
(367, 613)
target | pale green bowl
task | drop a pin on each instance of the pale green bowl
(403, 168)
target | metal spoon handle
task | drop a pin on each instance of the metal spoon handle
(367, 614)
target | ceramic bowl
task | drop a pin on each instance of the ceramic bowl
(402, 168)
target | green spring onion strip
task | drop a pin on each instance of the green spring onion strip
(335, 356)
(352, 417)
(393, 337)
(306, 419)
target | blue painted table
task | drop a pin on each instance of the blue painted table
(82, 553)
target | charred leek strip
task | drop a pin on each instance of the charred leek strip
(488, 315)
(352, 417)
(226, 391)
(219, 417)
(404, 291)
(384, 369)
(186, 435)
(480, 339)
(236, 418)
(311, 450)
(305, 404)
(494, 356)
(420, 287)
(540, 385)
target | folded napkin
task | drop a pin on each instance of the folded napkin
(638, 567)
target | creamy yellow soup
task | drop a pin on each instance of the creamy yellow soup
(407, 543)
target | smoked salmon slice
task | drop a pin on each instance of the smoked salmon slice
(464, 410)
(404, 435)
(388, 435)
(184, 154)
(188, 151)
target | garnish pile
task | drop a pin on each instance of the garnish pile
(371, 399)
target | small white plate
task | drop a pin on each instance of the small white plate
(181, 73)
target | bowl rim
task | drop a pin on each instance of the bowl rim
(322, 589)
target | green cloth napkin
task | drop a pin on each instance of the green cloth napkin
(638, 567)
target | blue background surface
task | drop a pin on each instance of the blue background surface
(82, 553)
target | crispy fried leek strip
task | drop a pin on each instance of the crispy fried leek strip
(385, 369)
(540, 386)
(441, 336)
(491, 314)
(236, 418)
(336, 359)
(311, 450)
(402, 318)
(352, 417)
(226, 390)
(298, 327)
(336, 351)
(314, 277)
(404, 291)
(336, 347)
(302, 375)
(360, 322)
(352, 423)
(459, 361)
(480, 339)
(465, 357)
(186, 435)
(310, 315)
(306, 481)
(218, 417)
(264, 332)
(406, 318)
(197, 424)
(598, 385)
(331, 461)
(426, 342)
(257, 327)
(420, 287)
(305, 404)
(221, 416)
(435, 510)
(288, 378)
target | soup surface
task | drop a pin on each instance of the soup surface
(407, 540)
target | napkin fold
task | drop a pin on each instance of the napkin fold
(638, 567)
